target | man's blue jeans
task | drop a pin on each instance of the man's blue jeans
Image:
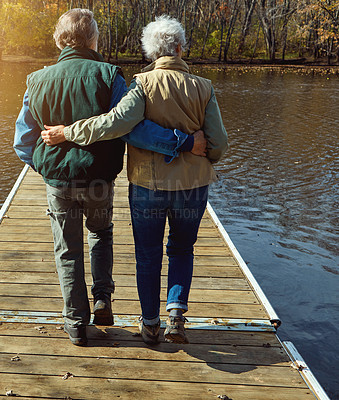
(67, 207)
(149, 211)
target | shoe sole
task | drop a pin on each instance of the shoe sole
(150, 342)
(175, 338)
(103, 317)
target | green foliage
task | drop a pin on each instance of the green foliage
(27, 27)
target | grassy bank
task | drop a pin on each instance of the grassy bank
(296, 65)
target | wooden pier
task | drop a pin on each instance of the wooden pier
(234, 352)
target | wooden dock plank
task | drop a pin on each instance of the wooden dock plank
(14, 227)
(48, 256)
(197, 336)
(175, 371)
(132, 307)
(99, 388)
(130, 293)
(124, 248)
(120, 239)
(116, 363)
(135, 349)
(127, 280)
(230, 269)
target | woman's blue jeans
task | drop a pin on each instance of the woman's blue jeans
(149, 211)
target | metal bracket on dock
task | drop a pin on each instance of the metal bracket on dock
(215, 324)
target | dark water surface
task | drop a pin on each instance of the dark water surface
(277, 194)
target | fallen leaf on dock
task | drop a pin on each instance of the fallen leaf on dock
(41, 329)
(67, 375)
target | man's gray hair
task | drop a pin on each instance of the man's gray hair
(162, 37)
(76, 28)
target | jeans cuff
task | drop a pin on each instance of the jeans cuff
(176, 305)
(151, 321)
(181, 138)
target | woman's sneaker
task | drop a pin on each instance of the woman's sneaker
(149, 333)
(175, 330)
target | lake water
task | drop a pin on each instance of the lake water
(277, 194)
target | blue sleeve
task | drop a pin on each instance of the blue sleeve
(147, 134)
(27, 132)
(119, 88)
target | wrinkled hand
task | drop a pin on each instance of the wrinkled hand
(200, 143)
(53, 134)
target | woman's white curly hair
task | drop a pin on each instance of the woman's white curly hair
(162, 37)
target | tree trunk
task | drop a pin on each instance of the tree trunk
(268, 25)
(221, 37)
(180, 10)
(192, 29)
(287, 15)
(109, 27)
(231, 26)
(207, 29)
(246, 25)
(256, 44)
(329, 50)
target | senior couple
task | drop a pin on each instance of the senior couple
(161, 117)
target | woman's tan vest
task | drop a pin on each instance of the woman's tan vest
(174, 99)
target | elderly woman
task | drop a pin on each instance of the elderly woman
(166, 93)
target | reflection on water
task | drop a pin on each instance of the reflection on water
(12, 88)
(277, 196)
(277, 193)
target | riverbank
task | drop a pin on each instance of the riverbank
(294, 65)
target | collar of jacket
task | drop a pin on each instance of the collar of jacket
(70, 53)
(168, 62)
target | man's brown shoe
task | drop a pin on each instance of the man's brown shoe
(77, 334)
(103, 312)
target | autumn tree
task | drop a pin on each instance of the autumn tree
(28, 25)
(318, 24)
(219, 29)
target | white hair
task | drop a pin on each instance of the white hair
(76, 28)
(162, 37)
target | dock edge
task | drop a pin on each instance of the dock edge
(299, 363)
(12, 193)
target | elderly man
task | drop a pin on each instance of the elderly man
(168, 94)
(79, 180)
